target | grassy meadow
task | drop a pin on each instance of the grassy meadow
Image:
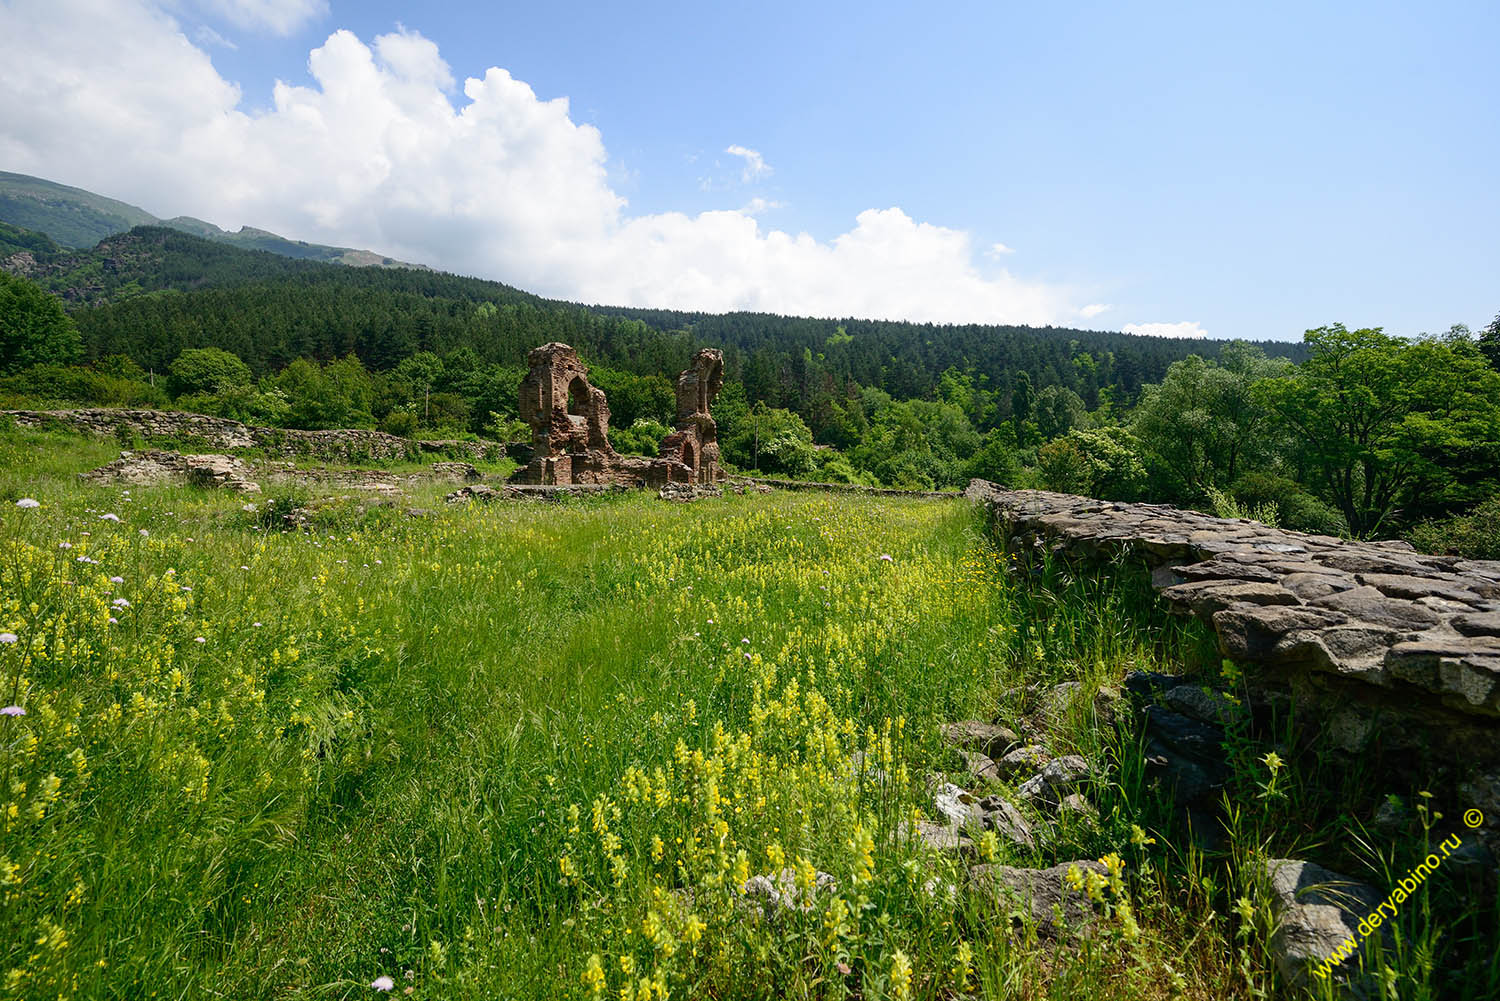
(534, 750)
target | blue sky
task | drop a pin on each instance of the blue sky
(1254, 170)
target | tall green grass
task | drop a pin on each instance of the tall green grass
(460, 750)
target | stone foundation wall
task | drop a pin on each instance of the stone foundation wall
(1389, 652)
(351, 445)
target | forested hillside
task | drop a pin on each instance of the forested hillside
(1348, 431)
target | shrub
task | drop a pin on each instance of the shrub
(206, 371)
(76, 384)
(1297, 509)
(1475, 535)
(1226, 506)
(402, 423)
(643, 437)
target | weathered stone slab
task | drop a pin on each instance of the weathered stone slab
(1448, 586)
(1478, 624)
(1413, 639)
(1369, 604)
(1205, 597)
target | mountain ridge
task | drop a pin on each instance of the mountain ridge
(78, 219)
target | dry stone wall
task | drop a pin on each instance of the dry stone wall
(349, 445)
(1388, 651)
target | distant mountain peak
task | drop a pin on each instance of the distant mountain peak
(78, 219)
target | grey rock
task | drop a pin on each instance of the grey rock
(989, 739)
(1478, 624)
(1208, 596)
(1203, 705)
(1076, 806)
(1369, 604)
(1181, 776)
(1249, 632)
(1308, 586)
(1030, 758)
(940, 838)
(998, 814)
(954, 804)
(1182, 733)
(778, 894)
(1058, 699)
(1057, 778)
(1037, 896)
(980, 766)
(1148, 685)
(1391, 817)
(1315, 910)
(1449, 586)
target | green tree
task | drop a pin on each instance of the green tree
(336, 395)
(1063, 467)
(1204, 425)
(1384, 420)
(1113, 455)
(1020, 405)
(34, 330)
(206, 371)
(417, 375)
(1057, 411)
(1489, 342)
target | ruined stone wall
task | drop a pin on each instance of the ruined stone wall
(569, 420)
(1389, 652)
(694, 441)
(350, 445)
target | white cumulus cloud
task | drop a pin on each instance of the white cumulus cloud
(756, 166)
(385, 150)
(279, 17)
(1093, 309)
(1187, 328)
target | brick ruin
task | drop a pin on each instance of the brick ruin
(569, 420)
(695, 442)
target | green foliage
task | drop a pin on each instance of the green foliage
(15, 240)
(634, 397)
(643, 437)
(402, 423)
(995, 459)
(769, 440)
(34, 330)
(1489, 342)
(248, 404)
(1389, 424)
(1115, 467)
(1057, 411)
(1295, 508)
(50, 385)
(1226, 505)
(206, 371)
(1475, 535)
(1204, 425)
(1063, 467)
(322, 397)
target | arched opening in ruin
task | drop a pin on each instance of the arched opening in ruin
(688, 456)
(578, 397)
